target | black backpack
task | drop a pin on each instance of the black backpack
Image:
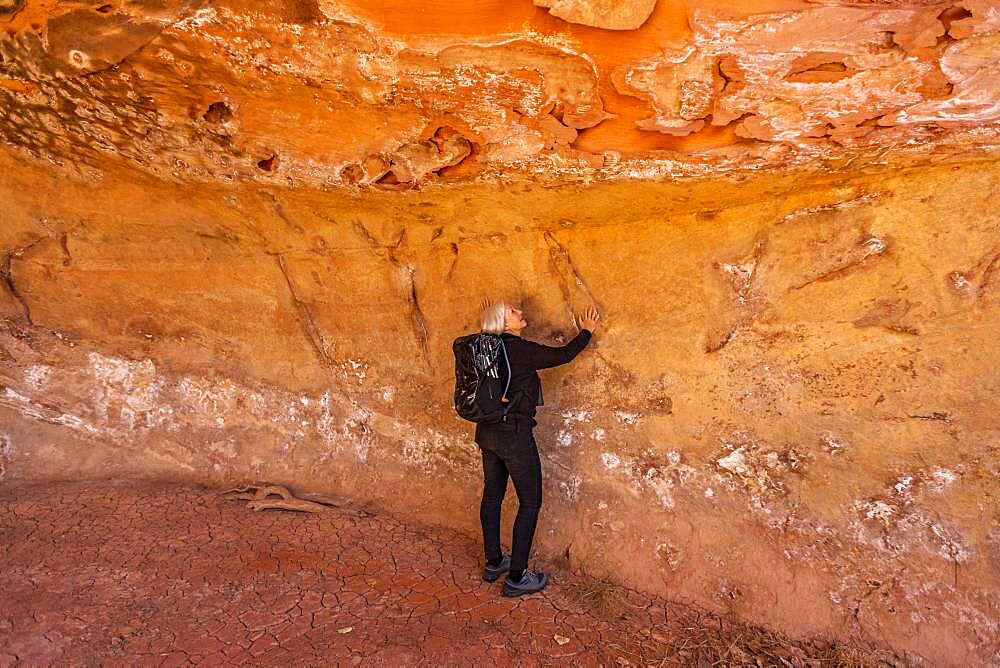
(482, 377)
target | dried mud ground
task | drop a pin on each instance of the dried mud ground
(153, 573)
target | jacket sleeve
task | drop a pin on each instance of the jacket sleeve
(544, 357)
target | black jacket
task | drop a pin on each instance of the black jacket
(526, 358)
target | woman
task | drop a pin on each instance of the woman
(509, 449)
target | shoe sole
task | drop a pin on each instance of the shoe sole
(514, 593)
(492, 578)
(510, 592)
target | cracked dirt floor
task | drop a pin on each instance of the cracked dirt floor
(145, 573)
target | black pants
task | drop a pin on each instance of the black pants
(510, 452)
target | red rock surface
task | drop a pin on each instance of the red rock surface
(125, 574)
(237, 239)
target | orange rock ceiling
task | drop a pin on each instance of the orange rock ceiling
(344, 94)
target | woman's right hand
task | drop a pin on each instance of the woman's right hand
(588, 319)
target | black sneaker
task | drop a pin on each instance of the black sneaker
(492, 573)
(529, 583)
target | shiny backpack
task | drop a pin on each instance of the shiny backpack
(482, 378)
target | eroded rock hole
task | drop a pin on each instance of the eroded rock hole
(822, 73)
(268, 164)
(558, 111)
(366, 171)
(10, 7)
(218, 112)
(353, 173)
(442, 135)
(883, 41)
(952, 14)
(467, 164)
(302, 12)
(388, 179)
(830, 67)
(104, 9)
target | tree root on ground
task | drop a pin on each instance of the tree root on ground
(266, 496)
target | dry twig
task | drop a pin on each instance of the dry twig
(265, 496)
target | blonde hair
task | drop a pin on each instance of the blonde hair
(494, 319)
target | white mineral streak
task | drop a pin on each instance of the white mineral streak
(565, 436)
(627, 417)
(130, 399)
(34, 409)
(37, 376)
(942, 479)
(571, 487)
(610, 460)
(734, 462)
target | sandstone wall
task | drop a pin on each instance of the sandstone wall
(236, 243)
(790, 412)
